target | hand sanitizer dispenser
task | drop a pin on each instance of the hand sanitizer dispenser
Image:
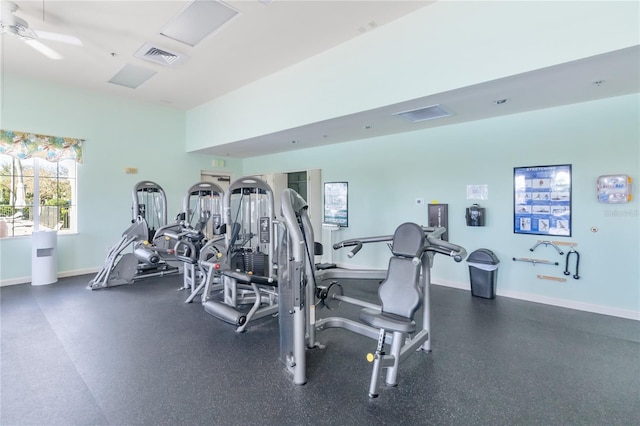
(475, 215)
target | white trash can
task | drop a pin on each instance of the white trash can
(44, 257)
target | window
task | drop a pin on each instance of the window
(37, 194)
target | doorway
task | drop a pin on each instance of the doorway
(222, 180)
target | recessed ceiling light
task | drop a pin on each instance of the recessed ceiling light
(132, 76)
(199, 19)
(426, 113)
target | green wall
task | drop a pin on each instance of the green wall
(118, 134)
(444, 46)
(387, 174)
(447, 46)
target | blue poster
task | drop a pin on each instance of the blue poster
(542, 200)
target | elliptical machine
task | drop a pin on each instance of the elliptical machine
(154, 242)
(149, 211)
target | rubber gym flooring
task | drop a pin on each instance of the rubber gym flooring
(138, 355)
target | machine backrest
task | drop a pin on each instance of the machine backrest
(407, 240)
(399, 292)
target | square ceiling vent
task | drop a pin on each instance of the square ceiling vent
(426, 113)
(160, 55)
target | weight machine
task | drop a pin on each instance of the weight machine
(404, 289)
(240, 283)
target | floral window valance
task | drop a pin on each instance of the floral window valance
(51, 148)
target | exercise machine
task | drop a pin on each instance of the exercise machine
(404, 289)
(156, 247)
(149, 210)
(198, 223)
(240, 284)
(150, 204)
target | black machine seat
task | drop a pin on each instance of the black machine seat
(400, 298)
(399, 292)
(387, 321)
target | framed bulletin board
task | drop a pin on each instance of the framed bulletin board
(336, 203)
(542, 200)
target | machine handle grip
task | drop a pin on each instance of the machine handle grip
(456, 252)
(347, 243)
(355, 250)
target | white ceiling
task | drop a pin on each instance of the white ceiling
(261, 40)
(266, 38)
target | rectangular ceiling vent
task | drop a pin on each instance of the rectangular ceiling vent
(422, 114)
(160, 55)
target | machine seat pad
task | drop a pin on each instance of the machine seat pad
(391, 322)
(250, 278)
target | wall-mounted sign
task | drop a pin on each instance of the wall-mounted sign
(542, 200)
(336, 205)
(439, 218)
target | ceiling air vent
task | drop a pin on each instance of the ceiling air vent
(427, 113)
(160, 55)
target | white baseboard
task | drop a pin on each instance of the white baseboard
(580, 306)
(26, 280)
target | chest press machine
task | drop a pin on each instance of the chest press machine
(404, 290)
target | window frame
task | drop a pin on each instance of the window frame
(16, 224)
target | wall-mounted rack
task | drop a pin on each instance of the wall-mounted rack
(547, 243)
(534, 261)
(547, 277)
(565, 243)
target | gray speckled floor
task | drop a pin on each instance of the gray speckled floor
(137, 355)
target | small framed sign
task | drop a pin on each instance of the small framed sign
(336, 203)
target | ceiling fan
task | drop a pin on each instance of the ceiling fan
(12, 25)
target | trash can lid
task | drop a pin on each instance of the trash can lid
(483, 256)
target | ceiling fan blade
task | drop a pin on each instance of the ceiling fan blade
(45, 50)
(62, 38)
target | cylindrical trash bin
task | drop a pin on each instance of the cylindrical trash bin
(483, 273)
(44, 257)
